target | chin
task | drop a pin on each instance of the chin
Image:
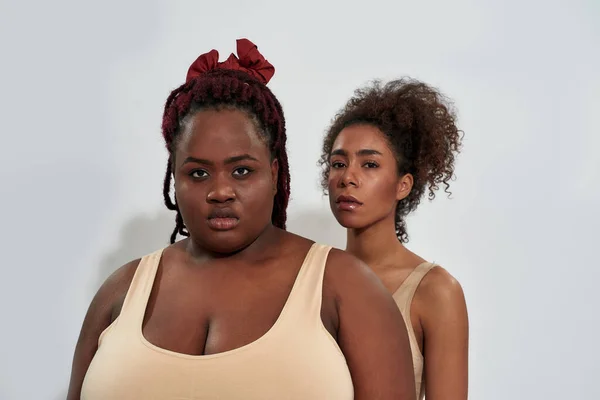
(349, 221)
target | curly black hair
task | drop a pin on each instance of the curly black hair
(420, 125)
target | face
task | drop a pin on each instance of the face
(364, 185)
(225, 180)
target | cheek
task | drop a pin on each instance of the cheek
(182, 185)
(381, 188)
(333, 178)
(186, 187)
(191, 197)
(256, 193)
(331, 183)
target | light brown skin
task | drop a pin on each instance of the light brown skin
(197, 276)
(364, 166)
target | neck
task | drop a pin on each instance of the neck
(374, 243)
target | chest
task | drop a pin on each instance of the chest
(181, 336)
(219, 309)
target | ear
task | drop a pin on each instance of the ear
(404, 186)
(274, 174)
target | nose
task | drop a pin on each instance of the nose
(348, 178)
(221, 191)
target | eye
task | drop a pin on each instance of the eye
(241, 171)
(198, 173)
(337, 164)
(371, 164)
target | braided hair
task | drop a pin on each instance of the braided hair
(227, 89)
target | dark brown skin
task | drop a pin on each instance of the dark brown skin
(220, 290)
(364, 166)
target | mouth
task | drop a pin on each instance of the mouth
(222, 220)
(347, 203)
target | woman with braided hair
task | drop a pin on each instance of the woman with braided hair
(390, 144)
(239, 308)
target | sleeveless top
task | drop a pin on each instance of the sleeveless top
(296, 359)
(403, 298)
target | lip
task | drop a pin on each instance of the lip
(222, 224)
(347, 203)
(347, 199)
(222, 219)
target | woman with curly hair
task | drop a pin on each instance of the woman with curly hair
(389, 145)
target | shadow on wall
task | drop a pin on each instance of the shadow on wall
(139, 236)
(145, 233)
(317, 224)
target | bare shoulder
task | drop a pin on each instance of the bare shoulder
(118, 282)
(440, 296)
(122, 276)
(107, 302)
(346, 272)
(340, 258)
(440, 285)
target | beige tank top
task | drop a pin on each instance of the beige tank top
(403, 297)
(296, 359)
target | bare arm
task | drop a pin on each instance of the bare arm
(98, 317)
(446, 336)
(371, 332)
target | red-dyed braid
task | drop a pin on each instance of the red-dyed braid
(239, 90)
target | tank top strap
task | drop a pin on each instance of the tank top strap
(405, 293)
(136, 300)
(306, 296)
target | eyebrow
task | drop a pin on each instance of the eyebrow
(229, 160)
(361, 152)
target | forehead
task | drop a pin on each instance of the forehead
(361, 137)
(217, 134)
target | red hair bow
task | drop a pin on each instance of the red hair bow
(249, 60)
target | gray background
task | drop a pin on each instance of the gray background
(82, 86)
